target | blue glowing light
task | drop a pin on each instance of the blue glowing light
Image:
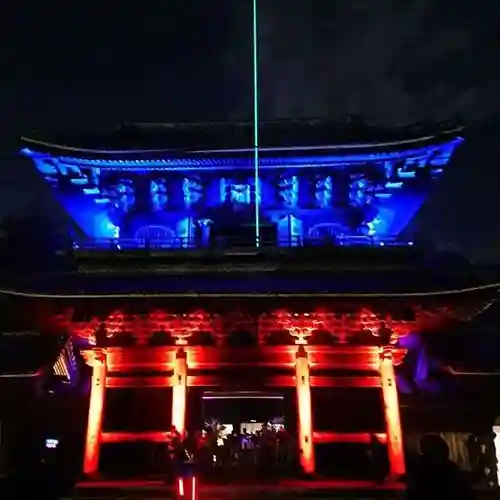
(358, 197)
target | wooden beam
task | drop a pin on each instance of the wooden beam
(319, 381)
(211, 358)
(345, 437)
(129, 437)
(366, 381)
(318, 437)
(137, 382)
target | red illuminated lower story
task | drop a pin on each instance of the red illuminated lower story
(183, 362)
(235, 350)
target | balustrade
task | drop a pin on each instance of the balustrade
(123, 245)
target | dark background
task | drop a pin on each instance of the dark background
(80, 66)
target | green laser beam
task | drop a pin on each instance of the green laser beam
(255, 23)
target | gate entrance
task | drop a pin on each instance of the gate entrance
(248, 433)
(243, 411)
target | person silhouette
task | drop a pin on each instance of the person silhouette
(435, 476)
(378, 459)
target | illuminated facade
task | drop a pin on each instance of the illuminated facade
(216, 323)
(194, 185)
(304, 346)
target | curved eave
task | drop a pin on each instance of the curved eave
(33, 147)
(485, 295)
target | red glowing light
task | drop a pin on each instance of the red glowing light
(383, 327)
(341, 325)
(96, 408)
(303, 387)
(299, 325)
(115, 322)
(183, 326)
(173, 361)
(187, 491)
(179, 392)
(392, 415)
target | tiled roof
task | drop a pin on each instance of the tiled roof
(362, 282)
(192, 137)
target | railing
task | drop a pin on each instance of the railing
(232, 244)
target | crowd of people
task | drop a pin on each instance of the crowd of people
(218, 453)
(216, 449)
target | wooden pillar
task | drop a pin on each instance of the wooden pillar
(179, 391)
(96, 408)
(392, 416)
(304, 407)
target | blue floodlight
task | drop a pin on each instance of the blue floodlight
(298, 196)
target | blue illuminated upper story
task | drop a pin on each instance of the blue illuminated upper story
(192, 185)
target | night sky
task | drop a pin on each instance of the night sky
(90, 65)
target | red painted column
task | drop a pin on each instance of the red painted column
(96, 409)
(304, 406)
(392, 415)
(179, 391)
